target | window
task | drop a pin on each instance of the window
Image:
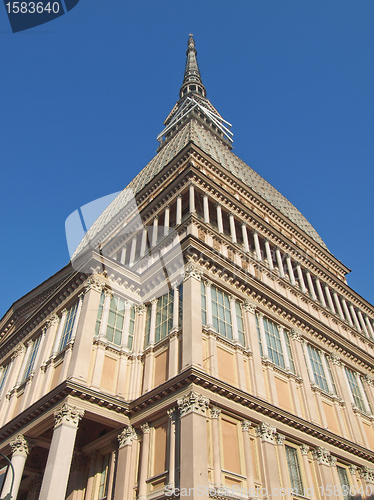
(99, 314)
(317, 368)
(344, 483)
(221, 313)
(3, 376)
(354, 385)
(131, 328)
(239, 321)
(104, 477)
(116, 320)
(294, 471)
(274, 344)
(31, 359)
(68, 326)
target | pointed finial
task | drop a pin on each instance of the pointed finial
(192, 80)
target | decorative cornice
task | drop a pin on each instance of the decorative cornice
(68, 414)
(266, 432)
(126, 437)
(20, 445)
(193, 403)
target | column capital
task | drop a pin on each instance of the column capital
(250, 306)
(335, 359)
(93, 283)
(369, 379)
(126, 437)
(266, 432)
(304, 449)
(233, 298)
(18, 350)
(207, 282)
(353, 469)
(322, 455)
(367, 474)
(279, 439)
(53, 319)
(193, 403)
(192, 270)
(296, 335)
(20, 445)
(140, 309)
(68, 414)
(145, 428)
(154, 301)
(172, 414)
(108, 292)
(215, 412)
(246, 425)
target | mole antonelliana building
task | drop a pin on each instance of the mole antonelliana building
(203, 336)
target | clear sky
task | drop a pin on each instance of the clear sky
(84, 97)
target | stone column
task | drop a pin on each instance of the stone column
(123, 255)
(172, 414)
(246, 426)
(61, 325)
(354, 316)
(192, 353)
(166, 220)
(320, 292)
(206, 208)
(267, 434)
(290, 270)
(346, 312)
(155, 231)
(245, 237)
(362, 323)
(257, 245)
(329, 299)
(20, 449)
(232, 228)
(279, 262)
(268, 255)
(133, 250)
(56, 474)
(92, 458)
(322, 458)
(304, 449)
(179, 209)
(125, 439)
(311, 286)
(353, 472)
(338, 306)
(193, 437)
(219, 218)
(81, 355)
(143, 244)
(368, 324)
(215, 413)
(143, 472)
(105, 315)
(301, 278)
(192, 198)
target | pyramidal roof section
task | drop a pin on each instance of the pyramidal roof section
(193, 120)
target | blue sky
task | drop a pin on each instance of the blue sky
(84, 97)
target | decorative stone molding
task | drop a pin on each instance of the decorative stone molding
(304, 449)
(353, 469)
(68, 414)
(333, 461)
(367, 474)
(246, 425)
(279, 439)
(249, 306)
(145, 428)
(335, 359)
(52, 320)
(154, 301)
(108, 292)
(92, 283)
(193, 403)
(20, 349)
(369, 379)
(140, 309)
(126, 437)
(296, 335)
(215, 412)
(322, 455)
(173, 415)
(192, 270)
(20, 445)
(266, 432)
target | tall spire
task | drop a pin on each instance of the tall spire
(192, 80)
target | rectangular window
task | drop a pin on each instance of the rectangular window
(274, 344)
(221, 313)
(344, 483)
(104, 477)
(68, 326)
(294, 471)
(131, 328)
(239, 322)
(115, 320)
(3, 377)
(203, 304)
(32, 357)
(317, 367)
(147, 324)
(355, 390)
(164, 315)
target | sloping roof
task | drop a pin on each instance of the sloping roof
(195, 132)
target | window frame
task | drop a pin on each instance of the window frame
(291, 472)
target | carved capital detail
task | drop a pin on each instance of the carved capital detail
(352, 469)
(250, 306)
(215, 412)
(20, 445)
(246, 425)
(173, 415)
(140, 309)
(304, 449)
(335, 359)
(19, 350)
(52, 320)
(322, 455)
(192, 270)
(145, 428)
(92, 283)
(266, 432)
(369, 379)
(126, 437)
(193, 402)
(68, 414)
(367, 474)
(296, 335)
(279, 439)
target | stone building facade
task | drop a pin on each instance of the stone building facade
(202, 342)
